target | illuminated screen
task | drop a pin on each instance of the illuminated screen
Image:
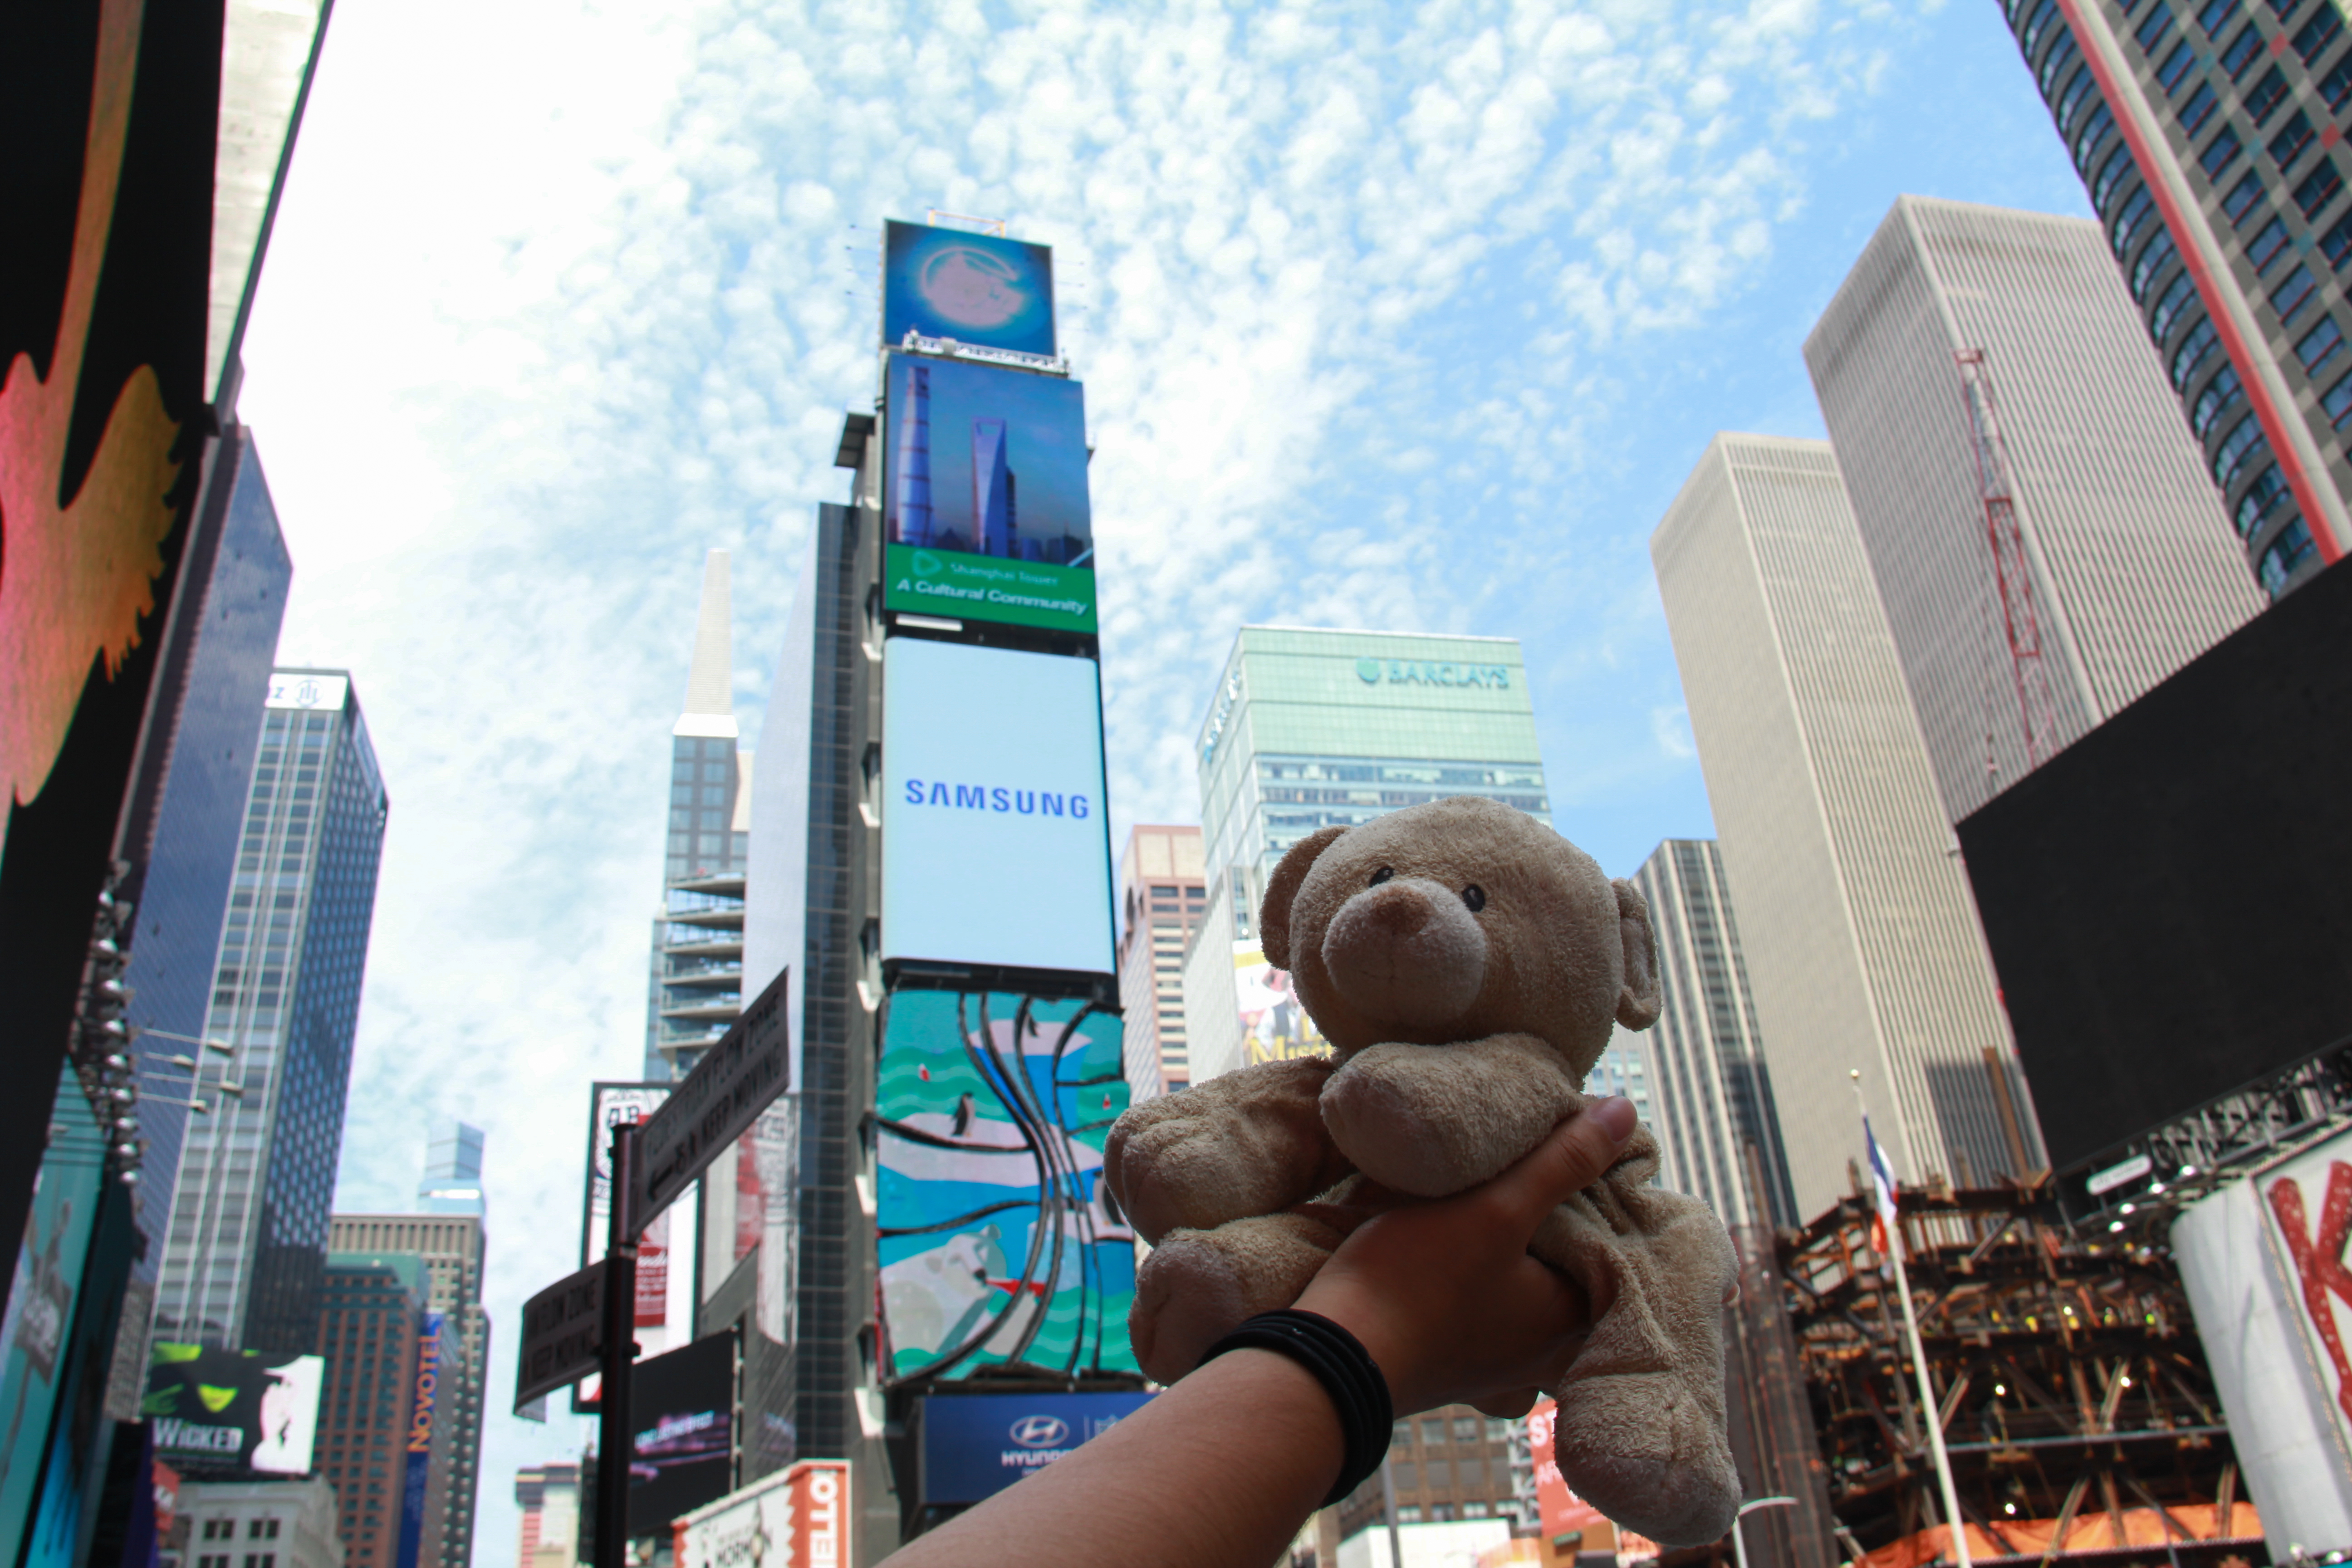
(976, 1445)
(219, 1412)
(974, 288)
(682, 1407)
(997, 1241)
(994, 847)
(985, 494)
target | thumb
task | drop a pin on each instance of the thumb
(1576, 1155)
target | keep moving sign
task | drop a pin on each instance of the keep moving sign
(996, 847)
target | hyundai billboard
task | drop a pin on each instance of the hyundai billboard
(995, 844)
(985, 496)
(976, 288)
(976, 1445)
(997, 1241)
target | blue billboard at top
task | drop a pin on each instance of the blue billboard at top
(976, 1445)
(977, 288)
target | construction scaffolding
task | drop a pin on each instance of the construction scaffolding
(2075, 1401)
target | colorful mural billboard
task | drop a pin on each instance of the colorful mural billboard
(976, 288)
(997, 1241)
(233, 1412)
(985, 496)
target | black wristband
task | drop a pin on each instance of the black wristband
(1348, 1374)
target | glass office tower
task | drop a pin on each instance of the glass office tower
(696, 989)
(1312, 729)
(2207, 133)
(249, 1232)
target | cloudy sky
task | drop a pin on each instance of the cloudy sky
(1408, 317)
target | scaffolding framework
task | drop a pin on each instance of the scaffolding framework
(2069, 1376)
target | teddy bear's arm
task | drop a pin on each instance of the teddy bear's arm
(1434, 1119)
(1248, 1143)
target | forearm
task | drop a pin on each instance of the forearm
(1219, 1470)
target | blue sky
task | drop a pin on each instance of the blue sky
(1409, 318)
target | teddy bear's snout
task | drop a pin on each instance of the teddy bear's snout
(1408, 950)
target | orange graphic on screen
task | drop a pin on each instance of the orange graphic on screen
(76, 574)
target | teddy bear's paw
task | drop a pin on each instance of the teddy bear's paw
(1189, 1294)
(1648, 1455)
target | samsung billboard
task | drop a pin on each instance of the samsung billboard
(995, 844)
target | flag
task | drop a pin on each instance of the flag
(1882, 1187)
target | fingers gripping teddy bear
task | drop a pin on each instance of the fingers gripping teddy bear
(1467, 963)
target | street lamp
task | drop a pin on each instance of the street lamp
(1739, 1543)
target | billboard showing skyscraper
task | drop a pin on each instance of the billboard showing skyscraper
(994, 847)
(985, 495)
(997, 1241)
(976, 288)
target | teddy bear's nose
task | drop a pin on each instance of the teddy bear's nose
(1407, 951)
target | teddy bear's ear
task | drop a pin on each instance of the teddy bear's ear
(1638, 1001)
(1273, 914)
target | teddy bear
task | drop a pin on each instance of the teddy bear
(1465, 963)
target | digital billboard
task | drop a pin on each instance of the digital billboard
(2165, 899)
(35, 1335)
(794, 1518)
(995, 844)
(221, 1412)
(976, 288)
(105, 289)
(997, 1241)
(984, 496)
(1275, 1027)
(682, 1413)
(976, 1445)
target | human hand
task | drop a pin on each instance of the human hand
(1444, 1295)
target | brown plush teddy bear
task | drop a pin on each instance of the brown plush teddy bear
(1465, 963)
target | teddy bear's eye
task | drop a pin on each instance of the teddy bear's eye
(1475, 896)
(1383, 874)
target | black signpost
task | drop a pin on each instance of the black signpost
(654, 1161)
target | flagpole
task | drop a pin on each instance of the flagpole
(1956, 1529)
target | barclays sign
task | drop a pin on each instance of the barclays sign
(1431, 672)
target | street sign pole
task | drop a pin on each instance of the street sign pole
(620, 1350)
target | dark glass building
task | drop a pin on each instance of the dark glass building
(2208, 133)
(249, 1232)
(199, 823)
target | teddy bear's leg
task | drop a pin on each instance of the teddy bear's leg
(1641, 1430)
(1198, 1285)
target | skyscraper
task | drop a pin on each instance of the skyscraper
(446, 1238)
(1162, 894)
(249, 1232)
(2206, 134)
(372, 1324)
(1715, 1117)
(183, 900)
(1860, 944)
(695, 989)
(550, 1496)
(2132, 567)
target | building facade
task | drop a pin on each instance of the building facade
(1163, 896)
(370, 1328)
(1715, 1117)
(2206, 135)
(550, 1498)
(448, 1242)
(695, 989)
(2132, 566)
(1311, 729)
(183, 899)
(256, 1524)
(242, 1265)
(1861, 941)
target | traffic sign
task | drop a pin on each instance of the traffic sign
(735, 1080)
(561, 1340)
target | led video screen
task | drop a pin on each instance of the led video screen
(976, 1445)
(995, 844)
(985, 496)
(229, 1412)
(998, 1242)
(2165, 899)
(682, 1409)
(976, 288)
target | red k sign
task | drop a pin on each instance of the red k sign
(2318, 1258)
